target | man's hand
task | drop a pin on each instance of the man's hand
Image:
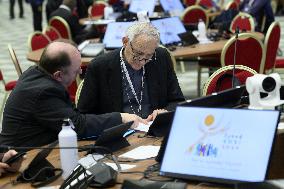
(14, 167)
(155, 113)
(126, 117)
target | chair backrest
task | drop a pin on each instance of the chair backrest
(188, 3)
(15, 60)
(193, 14)
(247, 51)
(78, 92)
(208, 4)
(51, 33)
(244, 21)
(61, 26)
(37, 40)
(97, 9)
(271, 43)
(217, 82)
(232, 5)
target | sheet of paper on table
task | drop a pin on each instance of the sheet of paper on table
(142, 152)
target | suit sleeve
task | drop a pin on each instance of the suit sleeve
(54, 106)
(89, 93)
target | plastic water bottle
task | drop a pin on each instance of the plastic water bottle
(108, 10)
(201, 29)
(68, 157)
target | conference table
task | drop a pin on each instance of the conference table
(137, 139)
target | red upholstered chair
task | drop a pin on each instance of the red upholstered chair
(37, 40)
(279, 65)
(208, 4)
(97, 9)
(15, 60)
(218, 82)
(244, 21)
(249, 52)
(51, 33)
(8, 87)
(232, 5)
(189, 2)
(193, 14)
(61, 26)
(111, 2)
(271, 43)
(72, 91)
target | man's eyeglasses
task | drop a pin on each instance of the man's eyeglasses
(140, 55)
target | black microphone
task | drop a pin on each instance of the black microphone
(234, 81)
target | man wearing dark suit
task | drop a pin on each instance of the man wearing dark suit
(258, 9)
(37, 14)
(79, 33)
(138, 78)
(35, 109)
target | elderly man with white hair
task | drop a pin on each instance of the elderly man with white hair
(138, 78)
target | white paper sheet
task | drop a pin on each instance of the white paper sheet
(142, 152)
(123, 166)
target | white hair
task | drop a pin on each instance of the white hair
(140, 28)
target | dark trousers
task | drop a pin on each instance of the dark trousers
(12, 4)
(37, 15)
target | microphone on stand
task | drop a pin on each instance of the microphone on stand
(234, 81)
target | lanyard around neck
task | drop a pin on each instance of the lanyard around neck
(125, 71)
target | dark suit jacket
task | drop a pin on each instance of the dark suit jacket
(77, 31)
(102, 90)
(35, 110)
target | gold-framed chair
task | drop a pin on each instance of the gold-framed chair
(192, 14)
(51, 33)
(37, 40)
(244, 21)
(15, 60)
(61, 26)
(96, 10)
(188, 3)
(248, 51)
(217, 82)
(8, 87)
(232, 5)
(78, 92)
(207, 4)
(271, 44)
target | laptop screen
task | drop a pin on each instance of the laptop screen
(169, 29)
(227, 98)
(114, 33)
(221, 145)
(142, 5)
(172, 5)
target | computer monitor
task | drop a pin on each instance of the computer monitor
(169, 29)
(220, 145)
(227, 98)
(142, 5)
(172, 5)
(114, 33)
